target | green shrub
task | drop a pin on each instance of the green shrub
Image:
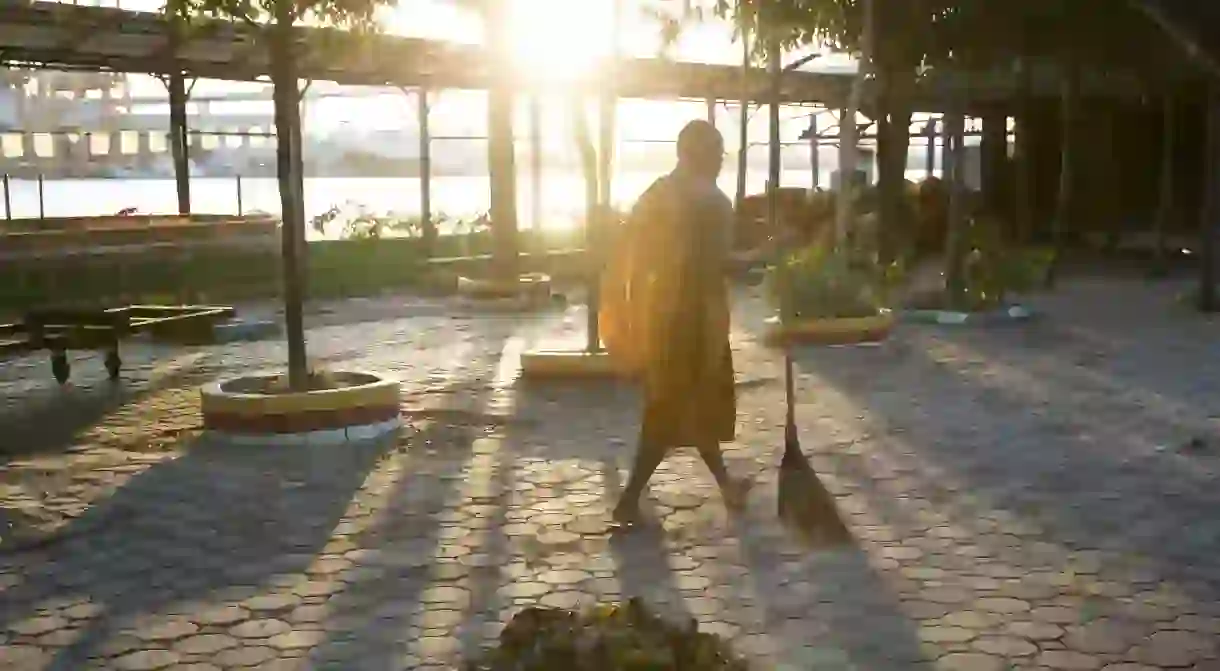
(604, 638)
(819, 282)
(992, 269)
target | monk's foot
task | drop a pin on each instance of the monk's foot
(736, 495)
(626, 515)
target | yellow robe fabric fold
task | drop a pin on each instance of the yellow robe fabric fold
(664, 315)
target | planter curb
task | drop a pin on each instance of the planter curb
(554, 364)
(1011, 313)
(367, 409)
(831, 331)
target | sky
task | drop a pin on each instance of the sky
(560, 37)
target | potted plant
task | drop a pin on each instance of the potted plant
(992, 272)
(830, 296)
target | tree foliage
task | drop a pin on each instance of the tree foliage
(794, 23)
(1098, 34)
(347, 14)
(972, 34)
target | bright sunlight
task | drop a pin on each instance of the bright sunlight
(560, 40)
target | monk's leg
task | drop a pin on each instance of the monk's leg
(648, 457)
(711, 455)
(656, 423)
(733, 491)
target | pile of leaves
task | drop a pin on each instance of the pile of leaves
(821, 282)
(625, 637)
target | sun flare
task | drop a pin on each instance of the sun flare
(559, 40)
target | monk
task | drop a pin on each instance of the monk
(678, 238)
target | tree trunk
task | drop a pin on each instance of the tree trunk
(893, 145)
(1065, 205)
(178, 145)
(1023, 205)
(929, 159)
(955, 247)
(774, 148)
(588, 164)
(848, 135)
(743, 124)
(1165, 208)
(428, 232)
(1208, 227)
(288, 170)
(599, 211)
(501, 154)
(993, 154)
(815, 154)
(538, 247)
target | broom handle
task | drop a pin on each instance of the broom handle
(789, 388)
(776, 72)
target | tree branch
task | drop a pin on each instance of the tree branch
(1155, 11)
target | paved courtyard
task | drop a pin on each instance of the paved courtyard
(1034, 496)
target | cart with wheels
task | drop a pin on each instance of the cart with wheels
(60, 330)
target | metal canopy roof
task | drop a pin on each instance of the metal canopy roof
(74, 37)
(60, 36)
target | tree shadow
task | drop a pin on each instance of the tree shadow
(1129, 338)
(223, 537)
(1002, 463)
(423, 583)
(40, 416)
(403, 576)
(219, 522)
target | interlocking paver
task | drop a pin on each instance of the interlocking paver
(261, 628)
(1069, 660)
(166, 631)
(244, 656)
(145, 660)
(1018, 496)
(205, 644)
(1175, 649)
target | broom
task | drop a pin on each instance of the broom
(804, 503)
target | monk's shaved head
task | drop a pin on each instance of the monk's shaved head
(701, 148)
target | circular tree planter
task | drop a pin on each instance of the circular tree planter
(339, 407)
(529, 292)
(529, 285)
(830, 331)
(1009, 313)
(568, 365)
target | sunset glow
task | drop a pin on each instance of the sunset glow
(559, 40)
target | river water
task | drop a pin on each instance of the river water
(561, 205)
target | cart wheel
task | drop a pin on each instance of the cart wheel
(60, 367)
(114, 364)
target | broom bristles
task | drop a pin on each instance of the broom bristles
(804, 502)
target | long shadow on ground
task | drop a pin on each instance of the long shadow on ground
(1018, 471)
(1131, 342)
(415, 587)
(40, 416)
(214, 525)
(420, 583)
(782, 603)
